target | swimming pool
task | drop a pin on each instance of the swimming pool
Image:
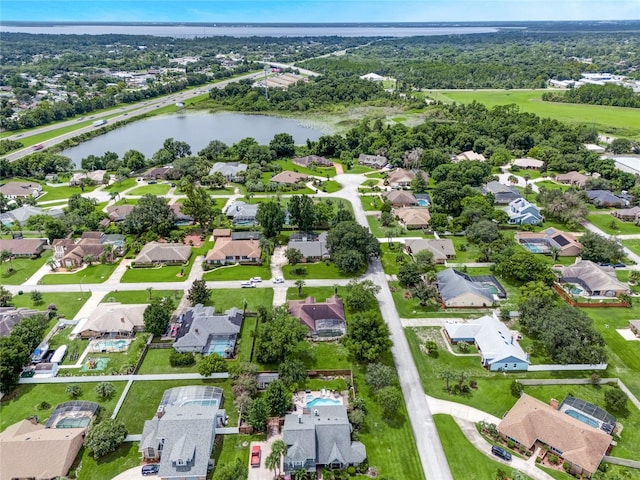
(73, 422)
(422, 202)
(583, 418)
(209, 402)
(110, 344)
(321, 401)
(533, 248)
(223, 348)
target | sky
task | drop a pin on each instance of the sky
(316, 11)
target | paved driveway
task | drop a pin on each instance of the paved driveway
(134, 473)
(262, 473)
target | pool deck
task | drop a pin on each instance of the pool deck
(300, 398)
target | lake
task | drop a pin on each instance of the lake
(197, 129)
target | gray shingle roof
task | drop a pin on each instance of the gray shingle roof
(200, 324)
(452, 284)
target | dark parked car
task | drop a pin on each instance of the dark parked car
(501, 452)
(150, 469)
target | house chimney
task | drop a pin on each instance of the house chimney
(160, 412)
(316, 413)
(196, 330)
(554, 403)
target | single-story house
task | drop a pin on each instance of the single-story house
(242, 213)
(531, 163)
(13, 190)
(155, 253)
(468, 155)
(117, 213)
(413, 217)
(202, 330)
(400, 198)
(22, 214)
(229, 170)
(502, 194)
(112, 320)
(442, 249)
(95, 176)
(402, 177)
(71, 253)
(457, 289)
(522, 212)
(180, 436)
(24, 247)
(228, 251)
(288, 178)
(220, 233)
(31, 450)
(634, 326)
(320, 438)
(595, 280)
(627, 214)
(309, 160)
(498, 346)
(181, 218)
(323, 319)
(11, 316)
(545, 241)
(313, 247)
(605, 198)
(372, 161)
(532, 424)
(158, 173)
(572, 178)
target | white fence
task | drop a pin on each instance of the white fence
(568, 368)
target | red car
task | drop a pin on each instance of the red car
(256, 452)
(38, 147)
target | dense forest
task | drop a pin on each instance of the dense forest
(609, 94)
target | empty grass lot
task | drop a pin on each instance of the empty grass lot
(141, 296)
(371, 203)
(107, 467)
(319, 270)
(157, 361)
(604, 221)
(317, 171)
(225, 298)
(24, 268)
(62, 192)
(633, 245)
(238, 272)
(68, 303)
(122, 185)
(97, 273)
(23, 401)
(390, 257)
(379, 231)
(153, 189)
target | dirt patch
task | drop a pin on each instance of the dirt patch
(197, 241)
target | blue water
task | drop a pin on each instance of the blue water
(532, 247)
(219, 348)
(211, 402)
(323, 401)
(583, 418)
(422, 202)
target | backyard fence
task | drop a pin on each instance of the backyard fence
(567, 298)
(570, 367)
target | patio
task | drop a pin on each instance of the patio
(309, 399)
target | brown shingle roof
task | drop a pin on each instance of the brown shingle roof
(117, 213)
(226, 247)
(20, 189)
(308, 311)
(401, 197)
(413, 217)
(155, 252)
(288, 177)
(572, 178)
(23, 246)
(530, 420)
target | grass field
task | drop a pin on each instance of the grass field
(24, 268)
(390, 255)
(238, 272)
(318, 171)
(318, 270)
(154, 189)
(23, 402)
(61, 193)
(141, 296)
(225, 298)
(371, 203)
(97, 273)
(88, 468)
(612, 226)
(157, 361)
(614, 120)
(68, 303)
(633, 245)
(121, 185)
(331, 186)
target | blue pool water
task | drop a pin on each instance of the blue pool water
(583, 418)
(114, 344)
(533, 248)
(210, 402)
(323, 401)
(422, 202)
(220, 348)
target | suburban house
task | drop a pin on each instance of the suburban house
(112, 320)
(31, 450)
(95, 176)
(313, 247)
(11, 316)
(442, 249)
(531, 163)
(117, 213)
(372, 161)
(321, 438)
(457, 289)
(324, 319)
(246, 235)
(498, 346)
(242, 213)
(202, 330)
(413, 217)
(220, 233)
(21, 214)
(288, 178)
(468, 155)
(546, 241)
(229, 170)
(576, 179)
(158, 173)
(502, 194)
(594, 280)
(604, 198)
(522, 212)
(400, 198)
(180, 437)
(309, 160)
(372, 77)
(402, 178)
(154, 253)
(263, 379)
(534, 424)
(13, 190)
(70, 253)
(627, 214)
(634, 326)
(24, 247)
(227, 251)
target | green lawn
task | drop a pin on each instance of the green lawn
(78, 346)
(355, 169)
(62, 192)
(144, 397)
(167, 273)
(232, 448)
(158, 189)
(24, 269)
(116, 361)
(225, 298)
(465, 460)
(390, 256)
(604, 221)
(88, 468)
(317, 171)
(122, 185)
(97, 273)
(238, 272)
(379, 231)
(141, 296)
(633, 245)
(68, 303)
(318, 270)
(331, 186)
(157, 361)
(23, 401)
(616, 120)
(371, 203)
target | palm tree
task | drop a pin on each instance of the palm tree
(512, 179)
(6, 255)
(52, 264)
(149, 290)
(271, 463)
(108, 254)
(299, 284)
(89, 259)
(114, 194)
(447, 375)
(278, 450)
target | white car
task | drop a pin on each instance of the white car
(256, 280)
(278, 280)
(248, 285)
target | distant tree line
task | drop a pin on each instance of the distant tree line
(608, 94)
